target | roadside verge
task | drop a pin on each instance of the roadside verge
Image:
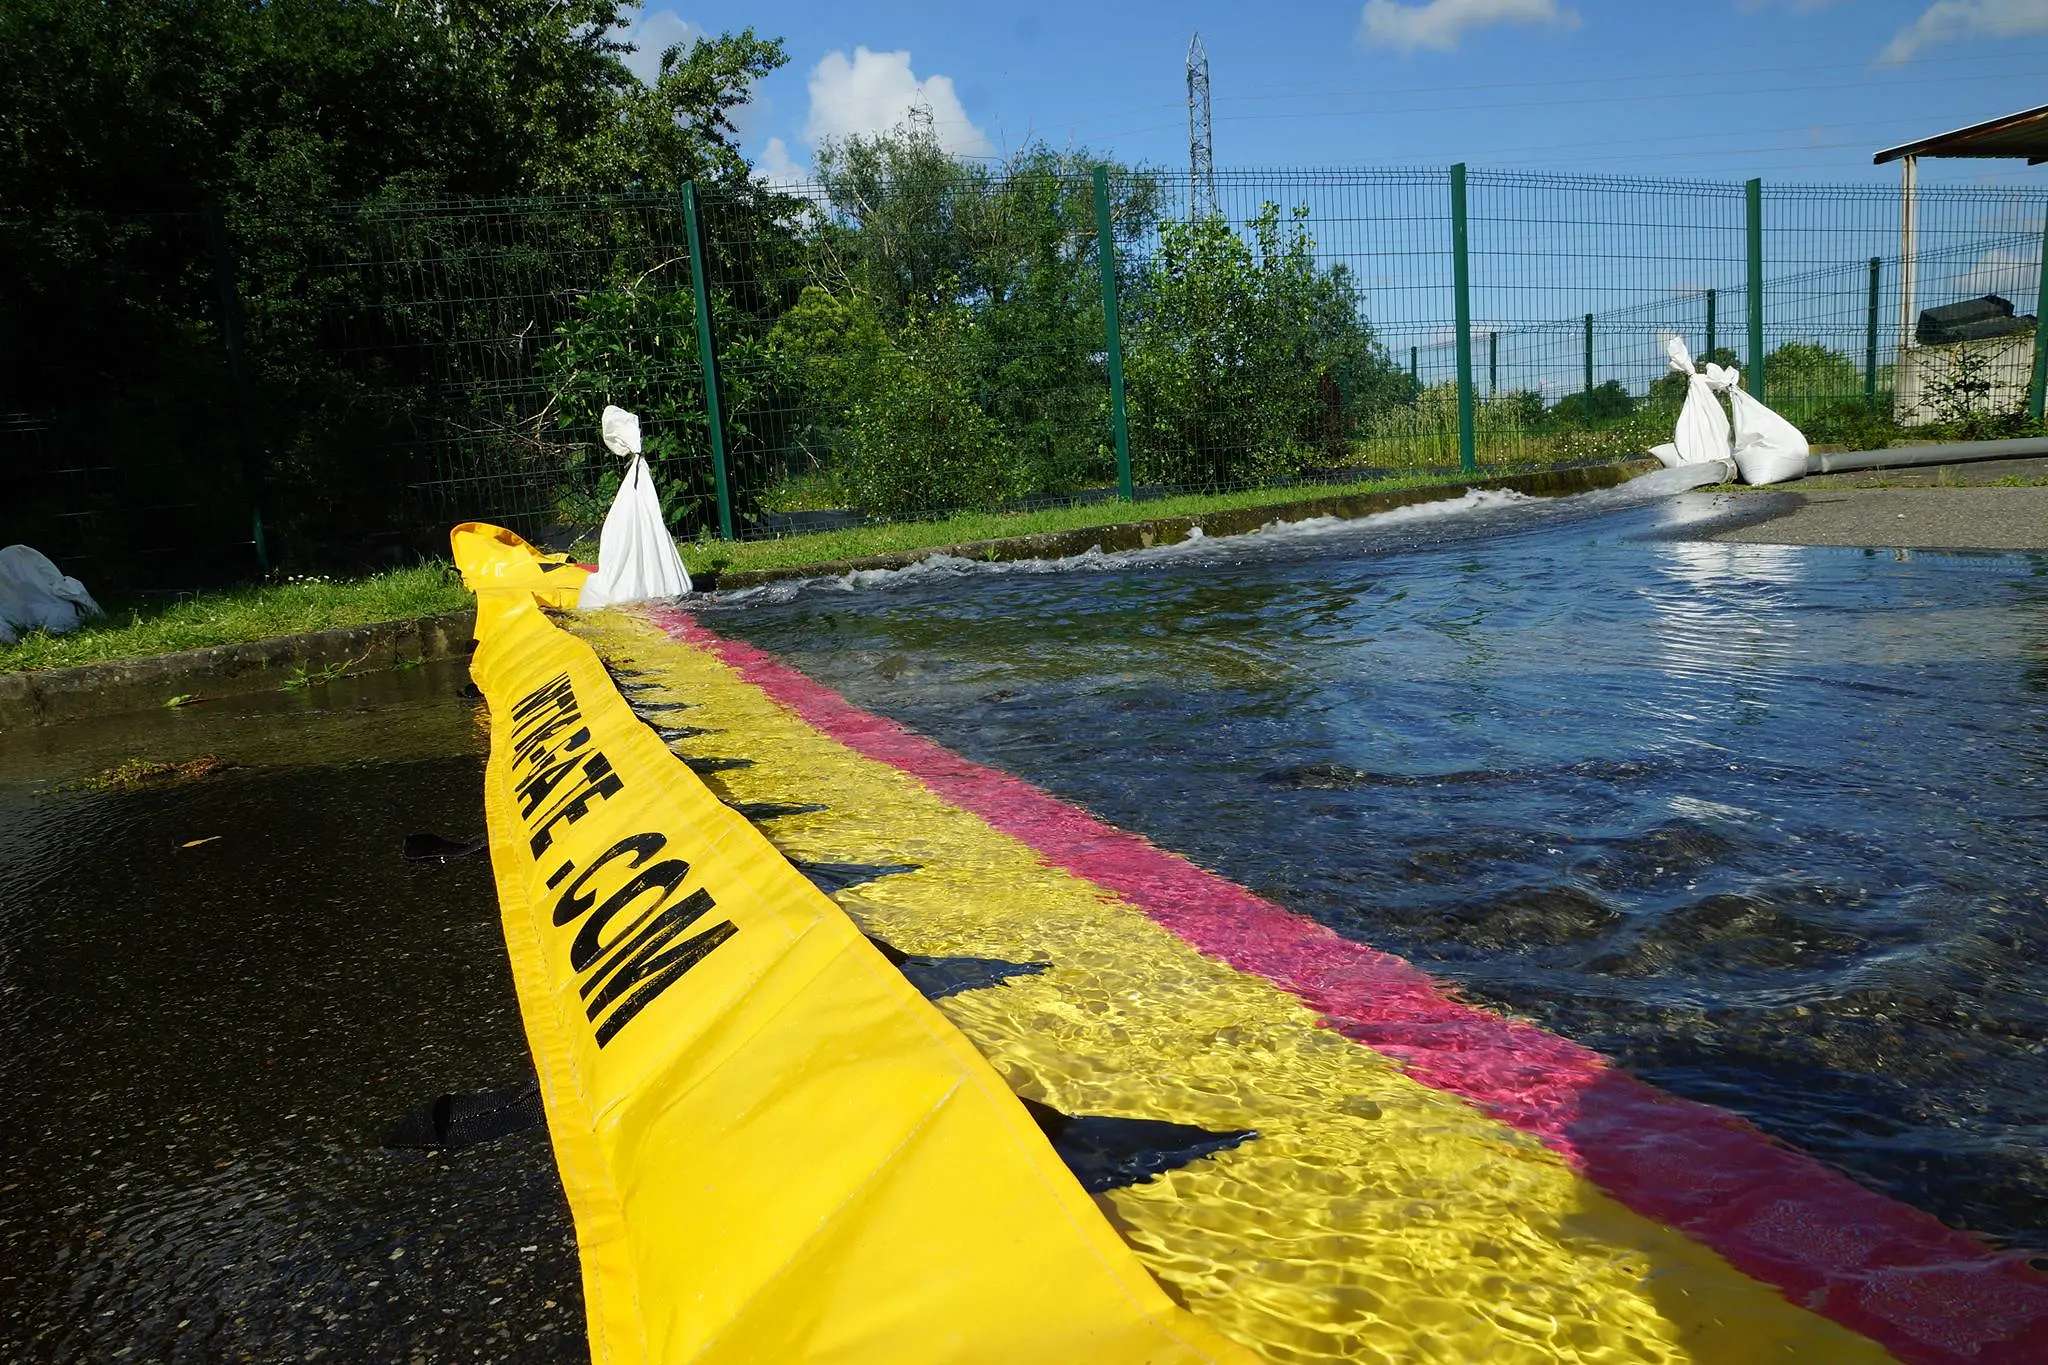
(45, 696)
(48, 696)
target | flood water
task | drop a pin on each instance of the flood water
(201, 1048)
(1767, 825)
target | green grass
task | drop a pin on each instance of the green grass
(826, 547)
(235, 615)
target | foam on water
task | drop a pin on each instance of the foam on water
(1199, 545)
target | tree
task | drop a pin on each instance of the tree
(312, 125)
(1232, 344)
(1804, 371)
(965, 285)
(136, 105)
(1609, 402)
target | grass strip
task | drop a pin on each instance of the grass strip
(139, 629)
(229, 616)
(827, 547)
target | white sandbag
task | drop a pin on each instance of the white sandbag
(1768, 449)
(621, 431)
(1667, 455)
(1702, 427)
(636, 556)
(36, 595)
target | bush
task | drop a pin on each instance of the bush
(1848, 422)
(1607, 404)
(635, 345)
(1241, 354)
(920, 442)
(1800, 372)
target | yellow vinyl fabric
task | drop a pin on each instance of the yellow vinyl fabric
(504, 571)
(774, 1148)
(1373, 1218)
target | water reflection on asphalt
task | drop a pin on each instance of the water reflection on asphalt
(201, 1047)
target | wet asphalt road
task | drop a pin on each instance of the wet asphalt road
(202, 1047)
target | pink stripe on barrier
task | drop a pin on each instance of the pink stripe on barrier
(1924, 1291)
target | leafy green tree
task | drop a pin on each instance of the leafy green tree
(635, 345)
(1607, 404)
(1805, 371)
(119, 119)
(1001, 261)
(144, 106)
(1232, 344)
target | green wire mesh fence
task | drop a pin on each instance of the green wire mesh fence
(914, 334)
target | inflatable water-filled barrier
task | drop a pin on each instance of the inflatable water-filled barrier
(854, 1050)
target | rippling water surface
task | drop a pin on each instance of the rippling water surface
(1768, 825)
(202, 1047)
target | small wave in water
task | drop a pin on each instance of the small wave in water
(1764, 824)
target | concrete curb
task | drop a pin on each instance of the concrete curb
(49, 695)
(1140, 535)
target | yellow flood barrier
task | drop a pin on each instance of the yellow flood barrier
(1375, 1218)
(773, 1147)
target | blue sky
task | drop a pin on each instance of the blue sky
(1791, 90)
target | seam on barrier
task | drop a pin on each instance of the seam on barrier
(1385, 1003)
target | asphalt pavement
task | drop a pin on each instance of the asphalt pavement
(1985, 505)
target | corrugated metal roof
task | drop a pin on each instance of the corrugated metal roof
(2022, 134)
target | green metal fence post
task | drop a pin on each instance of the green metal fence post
(1493, 364)
(238, 374)
(1461, 307)
(1712, 299)
(1589, 367)
(714, 418)
(1112, 334)
(2038, 389)
(1414, 375)
(1870, 341)
(1753, 194)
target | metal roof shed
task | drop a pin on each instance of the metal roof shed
(2024, 134)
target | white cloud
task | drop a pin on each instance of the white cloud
(1955, 21)
(653, 34)
(1439, 24)
(876, 91)
(777, 167)
(2012, 273)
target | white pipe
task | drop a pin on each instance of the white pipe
(1954, 452)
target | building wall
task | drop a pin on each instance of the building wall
(2008, 362)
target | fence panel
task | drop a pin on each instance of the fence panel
(913, 335)
(117, 410)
